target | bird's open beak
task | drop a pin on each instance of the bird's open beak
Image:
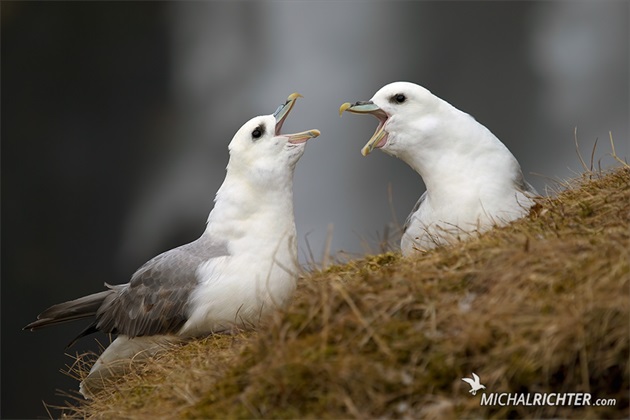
(281, 115)
(379, 138)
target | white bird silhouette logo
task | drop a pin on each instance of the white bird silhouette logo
(474, 384)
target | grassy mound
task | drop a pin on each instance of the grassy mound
(541, 305)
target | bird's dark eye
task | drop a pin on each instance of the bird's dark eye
(400, 98)
(258, 132)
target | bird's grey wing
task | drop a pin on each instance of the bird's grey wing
(415, 209)
(156, 299)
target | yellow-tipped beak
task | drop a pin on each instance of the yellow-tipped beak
(344, 107)
(372, 142)
(284, 109)
(298, 138)
(281, 114)
(379, 137)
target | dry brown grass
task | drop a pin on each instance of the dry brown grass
(541, 305)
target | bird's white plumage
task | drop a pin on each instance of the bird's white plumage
(242, 267)
(253, 213)
(253, 216)
(472, 180)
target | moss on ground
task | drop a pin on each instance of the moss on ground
(541, 305)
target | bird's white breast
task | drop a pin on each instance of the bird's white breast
(258, 276)
(469, 212)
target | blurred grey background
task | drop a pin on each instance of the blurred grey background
(116, 118)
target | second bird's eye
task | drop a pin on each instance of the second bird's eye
(257, 133)
(400, 98)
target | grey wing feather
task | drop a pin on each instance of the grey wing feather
(82, 307)
(415, 209)
(156, 299)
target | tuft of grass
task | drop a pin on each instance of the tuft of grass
(541, 305)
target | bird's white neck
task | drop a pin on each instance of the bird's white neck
(464, 156)
(250, 208)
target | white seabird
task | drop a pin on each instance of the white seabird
(472, 180)
(243, 266)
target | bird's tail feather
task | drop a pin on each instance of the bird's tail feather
(69, 311)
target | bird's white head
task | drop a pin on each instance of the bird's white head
(260, 151)
(404, 113)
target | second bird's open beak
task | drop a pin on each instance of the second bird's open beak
(379, 138)
(281, 115)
